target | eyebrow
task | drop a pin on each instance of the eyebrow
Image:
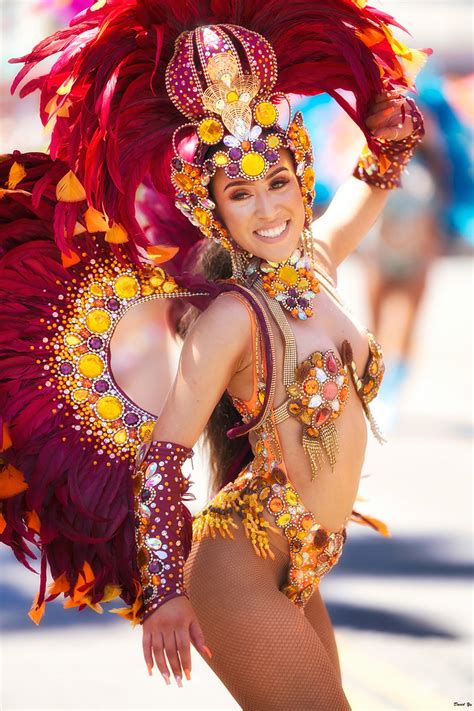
(246, 182)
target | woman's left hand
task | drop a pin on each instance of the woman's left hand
(389, 116)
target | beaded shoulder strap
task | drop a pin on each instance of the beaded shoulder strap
(317, 390)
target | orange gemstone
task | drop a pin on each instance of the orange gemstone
(275, 505)
(311, 387)
(202, 216)
(184, 181)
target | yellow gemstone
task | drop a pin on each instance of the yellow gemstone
(109, 407)
(146, 429)
(169, 287)
(288, 275)
(98, 321)
(90, 365)
(156, 281)
(184, 182)
(96, 290)
(202, 216)
(294, 390)
(291, 497)
(303, 284)
(121, 436)
(253, 164)
(126, 287)
(210, 131)
(273, 141)
(221, 158)
(308, 178)
(80, 395)
(283, 519)
(231, 97)
(265, 113)
(72, 339)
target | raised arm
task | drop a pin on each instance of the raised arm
(359, 201)
(213, 351)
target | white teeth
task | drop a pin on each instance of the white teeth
(275, 232)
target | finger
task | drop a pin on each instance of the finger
(184, 651)
(390, 103)
(390, 133)
(384, 118)
(197, 638)
(147, 652)
(158, 652)
(173, 659)
(385, 96)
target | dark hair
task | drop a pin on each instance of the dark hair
(226, 456)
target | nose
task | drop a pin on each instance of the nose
(266, 209)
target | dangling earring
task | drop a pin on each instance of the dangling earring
(239, 259)
(307, 243)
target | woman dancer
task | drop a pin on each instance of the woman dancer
(274, 336)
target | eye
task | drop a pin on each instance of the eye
(279, 183)
(238, 196)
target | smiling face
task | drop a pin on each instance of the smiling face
(264, 217)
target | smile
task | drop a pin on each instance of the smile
(278, 231)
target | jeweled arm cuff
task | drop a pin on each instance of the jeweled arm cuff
(385, 171)
(163, 524)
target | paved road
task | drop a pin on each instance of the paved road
(402, 607)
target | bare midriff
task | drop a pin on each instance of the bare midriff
(331, 496)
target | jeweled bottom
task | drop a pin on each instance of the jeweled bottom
(313, 550)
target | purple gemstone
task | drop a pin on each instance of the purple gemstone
(65, 368)
(194, 200)
(271, 156)
(293, 292)
(235, 153)
(131, 418)
(209, 167)
(176, 163)
(155, 566)
(95, 343)
(232, 170)
(291, 303)
(303, 303)
(259, 146)
(113, 304)
(101, 386)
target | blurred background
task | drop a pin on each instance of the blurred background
(402, 606)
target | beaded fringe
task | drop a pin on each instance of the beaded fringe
(376, 431)
(217, 517)
(315, 447)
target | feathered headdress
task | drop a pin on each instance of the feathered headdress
(113, 116)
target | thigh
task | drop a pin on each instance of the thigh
(317, 615)
(265, 650)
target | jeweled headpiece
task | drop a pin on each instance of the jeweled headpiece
(221, 77)
(126, 72)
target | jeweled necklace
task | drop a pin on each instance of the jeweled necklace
(292, 282)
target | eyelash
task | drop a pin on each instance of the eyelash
(283, 182)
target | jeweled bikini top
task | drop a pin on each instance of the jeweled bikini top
(318, 388)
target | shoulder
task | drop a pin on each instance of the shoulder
(223, 330)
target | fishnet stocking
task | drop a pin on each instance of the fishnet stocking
(268, 654)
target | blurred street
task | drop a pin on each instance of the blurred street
(401, 606)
